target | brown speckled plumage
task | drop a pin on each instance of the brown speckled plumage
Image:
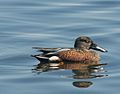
(81, 55)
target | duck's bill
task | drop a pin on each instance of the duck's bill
(98, 48)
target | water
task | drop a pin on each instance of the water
(55, 23)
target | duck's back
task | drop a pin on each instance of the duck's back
(77, 56)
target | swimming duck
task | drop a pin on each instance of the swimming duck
(82, 51)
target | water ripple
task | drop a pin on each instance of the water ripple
(53, 23)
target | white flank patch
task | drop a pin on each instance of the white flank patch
(54, 58)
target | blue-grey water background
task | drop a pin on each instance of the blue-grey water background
(56, 23)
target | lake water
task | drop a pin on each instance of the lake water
(56, 23)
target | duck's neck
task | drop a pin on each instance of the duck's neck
(81, 48)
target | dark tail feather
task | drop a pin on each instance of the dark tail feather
(35, 55)
(37, 47)
(41, 58)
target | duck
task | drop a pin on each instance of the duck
(83, 50)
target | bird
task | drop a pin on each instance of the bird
(83, 50)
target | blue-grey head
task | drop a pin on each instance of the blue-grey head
(85, 42)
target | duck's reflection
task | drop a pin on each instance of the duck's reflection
(82, 84)
(81, 70)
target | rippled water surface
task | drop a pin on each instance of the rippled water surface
(56, 23)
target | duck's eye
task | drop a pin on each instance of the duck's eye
(87, 41)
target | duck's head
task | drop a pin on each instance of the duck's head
(84, 42)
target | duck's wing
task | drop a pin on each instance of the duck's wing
(49, 54)
(49, 50)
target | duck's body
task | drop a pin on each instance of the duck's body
(80, 52)
(78, 55)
